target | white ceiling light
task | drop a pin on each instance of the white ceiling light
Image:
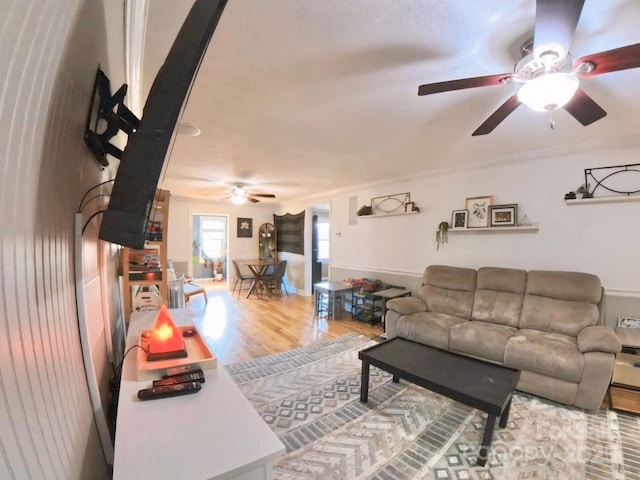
(238, 199)
(548, 92)
(238, 195)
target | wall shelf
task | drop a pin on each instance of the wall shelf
(520, 228)
(609, 199)
(391, 214)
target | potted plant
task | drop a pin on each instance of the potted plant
(364, 210)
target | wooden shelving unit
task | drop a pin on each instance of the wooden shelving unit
(158, 242)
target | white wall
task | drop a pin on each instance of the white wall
(600, 239)
(49, 53)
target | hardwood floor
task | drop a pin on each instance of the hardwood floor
(241, 329)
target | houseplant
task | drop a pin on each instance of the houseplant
(442, 234)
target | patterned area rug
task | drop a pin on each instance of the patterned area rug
(310, 398)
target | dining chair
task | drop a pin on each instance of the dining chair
(276, 280)
(240, 277)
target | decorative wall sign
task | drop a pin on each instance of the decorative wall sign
(478, 208)
(623, 179)
(390, 203)
(245, 227)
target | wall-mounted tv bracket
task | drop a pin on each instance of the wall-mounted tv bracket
(107, 116)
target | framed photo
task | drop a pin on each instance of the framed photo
(245, 227)
(459, 218)
(628, 322)
(478, 208)
(409, 206)
(503, 215)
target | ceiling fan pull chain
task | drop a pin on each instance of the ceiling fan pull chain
(552, 122)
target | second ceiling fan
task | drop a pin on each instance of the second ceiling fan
(240, 194)
(548, 77)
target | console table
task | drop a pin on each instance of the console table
(212, 434)
(624, 392)
(329, 291)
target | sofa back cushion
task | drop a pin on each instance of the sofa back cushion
(499, 295)
(560, 302)
(449, 290)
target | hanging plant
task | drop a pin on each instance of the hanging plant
(442, 234)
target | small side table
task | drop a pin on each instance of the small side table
(624, 392)
(332, 290)
(388, 294)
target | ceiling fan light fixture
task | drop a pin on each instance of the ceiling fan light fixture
(548, 92)
(238, 199)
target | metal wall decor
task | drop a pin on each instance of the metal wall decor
(390, 203)
(616, 179)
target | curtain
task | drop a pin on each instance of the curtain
(290, 232)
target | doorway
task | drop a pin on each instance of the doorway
(209, 257)
(319, 246)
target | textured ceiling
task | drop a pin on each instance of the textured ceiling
(301, 97)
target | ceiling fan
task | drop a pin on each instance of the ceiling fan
(548, 77)
(240, 194)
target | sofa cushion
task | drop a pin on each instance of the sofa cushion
(429, 328)
(481, 339)
(547, 353)
(559, 316)
(499, 295)
(571, 286)
(561, 302)
(449, 290)
(502, 279)
(407, 305)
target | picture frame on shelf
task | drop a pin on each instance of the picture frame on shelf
(245, 227)
(409, 206)
(478, 208)
(503, 215)
(459, 218)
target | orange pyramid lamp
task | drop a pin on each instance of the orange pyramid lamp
(165, 340)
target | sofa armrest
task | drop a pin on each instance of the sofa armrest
(599, 338)
(407, 305)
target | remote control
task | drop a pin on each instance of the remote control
(169, 391)
(174, 380)
(183, 370)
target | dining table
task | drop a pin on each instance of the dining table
(258, 267)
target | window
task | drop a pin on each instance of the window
(323, 240)
(212, 237)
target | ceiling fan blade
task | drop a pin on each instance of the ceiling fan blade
(450, 85)
(556, 23)
(498, 116)
(610, 61)
(252, 200)
(584, 108)
(263, 195)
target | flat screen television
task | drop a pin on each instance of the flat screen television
(126, 219)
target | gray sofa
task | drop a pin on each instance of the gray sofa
(548, 324)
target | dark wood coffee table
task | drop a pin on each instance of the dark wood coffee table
(485, 386)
